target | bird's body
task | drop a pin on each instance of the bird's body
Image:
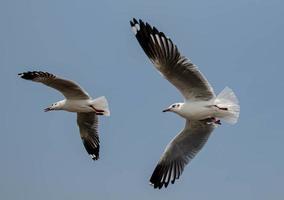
(201, 108)
(197, 110)
(80, 106)
(77, 100)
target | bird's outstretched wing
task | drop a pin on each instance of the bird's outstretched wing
(88, 125)
(69, 89)
(177, 69)
(179, 152)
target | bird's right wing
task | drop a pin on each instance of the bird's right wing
(179, 152)
(166, 57)
(68, 88)
(88, 125)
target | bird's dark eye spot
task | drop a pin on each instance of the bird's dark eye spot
(177, 105)
(174, 106)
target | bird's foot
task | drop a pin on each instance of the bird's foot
(212, 120)
(97, 111)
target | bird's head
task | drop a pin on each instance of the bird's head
(176, 107)
(55, 106)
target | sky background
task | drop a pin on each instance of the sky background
(235, 43)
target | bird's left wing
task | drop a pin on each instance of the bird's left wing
(179, 152)
(88, 125)
(68, 88)
(167, 59)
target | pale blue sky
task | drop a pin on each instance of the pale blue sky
(235, 43)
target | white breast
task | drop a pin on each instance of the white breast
(197, 110)
(78, 106)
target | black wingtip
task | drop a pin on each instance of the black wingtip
(94, 158)
(31, 75)
(20, 75)
(135, 21)
(27, 75)
(164, 174)
(156, 178)
(92, 149)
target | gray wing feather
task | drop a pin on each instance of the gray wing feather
(88, 125)
(179, 152)
(178, 70)
(68, 88)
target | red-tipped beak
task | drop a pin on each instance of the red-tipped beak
(166, 110)
(47, 109)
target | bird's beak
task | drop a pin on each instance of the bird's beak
(166, 110)
(47, 109)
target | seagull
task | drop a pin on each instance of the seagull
(201, 109)
(77, 100)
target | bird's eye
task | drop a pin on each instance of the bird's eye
(174, 106)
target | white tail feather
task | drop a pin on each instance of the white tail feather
(101, 104)
(227, 99)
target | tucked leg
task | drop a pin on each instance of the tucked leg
(220, 108)
(212, 120)
(97, 111)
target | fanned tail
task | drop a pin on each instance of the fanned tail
(228, 105)
(101, 104)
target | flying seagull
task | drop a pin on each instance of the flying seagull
(77, 100)
(201, 108)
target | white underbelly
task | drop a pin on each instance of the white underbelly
(78, 106)
(198, 111)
